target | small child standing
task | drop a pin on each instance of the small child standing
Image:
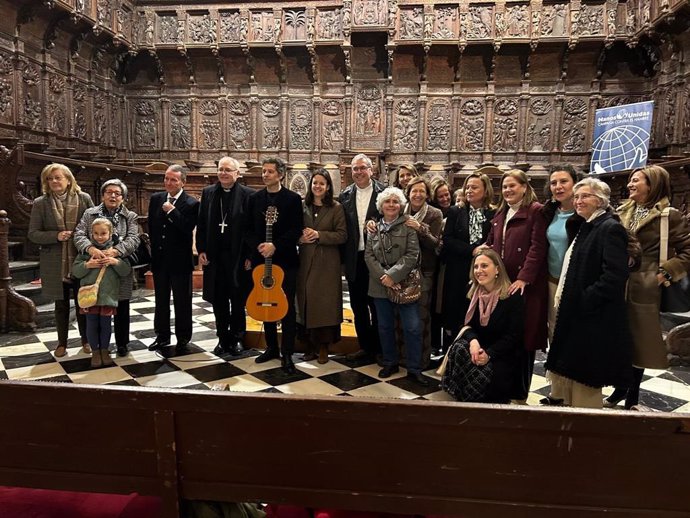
(98, 317)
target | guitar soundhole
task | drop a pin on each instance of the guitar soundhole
(267, 282)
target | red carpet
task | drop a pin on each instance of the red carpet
(17, 502)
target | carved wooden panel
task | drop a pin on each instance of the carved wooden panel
(405, 129)
(540, 125)
(329, 24)
(209, 124)
(271, 137)
(232, 24)
(446, 23)
(369, 12)
(31, 111)
(146, 125)
(505, 132)
(263, 26)
(369, 120)
(574, 124)
(471, 125)
(239, 124)
(181, 124)
(333, 124)
(6, 89)
(411, 23)
(301, 122)
(294, 25)
(438, 125)
(201, 29)
(555, 20)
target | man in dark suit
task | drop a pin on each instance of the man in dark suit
(172, 218)
(359, 202)
(219, 241)
(283, 249)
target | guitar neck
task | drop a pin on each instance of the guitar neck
(268, 261)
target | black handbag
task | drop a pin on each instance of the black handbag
(408, 290)
(462, 379)
(675, 296)
(142, 255)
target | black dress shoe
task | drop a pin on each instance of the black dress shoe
(182, 346)
(122, 350)
(267, 355)
(236, 348)
(220, 349)
(388, 371)
(158, 343)
(418, 378)
(287, 366)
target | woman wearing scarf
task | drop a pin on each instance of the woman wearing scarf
(54, 217)
(650, 195)
(125, 242)
(467, 227)
(496, 320)
(518, 234)
(592, 344)
(427, 221)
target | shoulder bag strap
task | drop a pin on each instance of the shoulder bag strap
(100, 275)
(383, 248)
(663, 231)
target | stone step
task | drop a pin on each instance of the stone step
(32, 291)
(24, 271)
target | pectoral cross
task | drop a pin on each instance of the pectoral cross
(222, 226)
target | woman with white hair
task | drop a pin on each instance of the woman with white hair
(391, 253)
(592, 343)
(125, 242)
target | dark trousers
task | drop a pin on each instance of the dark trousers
(98, 330)
(229, 301)
(288, 324)
(523, 374)
(121, 323)
(363, 309)
(69, 291)
(181, 286)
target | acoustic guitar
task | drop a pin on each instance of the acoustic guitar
(267, 301)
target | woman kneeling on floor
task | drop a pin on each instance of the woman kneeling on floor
(488, 347)
(88, 269)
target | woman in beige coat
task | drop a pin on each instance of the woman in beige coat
(650, 193)
(319, 285)
(54, 217)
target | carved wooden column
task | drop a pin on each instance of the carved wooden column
(489, 130)
(194, 102)
(454, 121)
(165, 126)
(223, 101)
(421, 122)
(348, 120)
(389, 123)
(522, 120)
(284, 121)
(45, 123)
(316, 124)
(69, 106)
(254, 118)
(594, 100)
(557, 123)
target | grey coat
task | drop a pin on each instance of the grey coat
(43, 230)
(128, 232)
(401, 254)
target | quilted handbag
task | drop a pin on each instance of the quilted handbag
(88, 295)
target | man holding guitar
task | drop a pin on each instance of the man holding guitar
(286, 230)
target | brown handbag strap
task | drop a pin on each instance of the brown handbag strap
(663, 231)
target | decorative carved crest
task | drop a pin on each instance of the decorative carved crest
(270, 107)
(332, 107)
(209, 107)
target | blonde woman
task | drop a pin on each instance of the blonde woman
(54, 217)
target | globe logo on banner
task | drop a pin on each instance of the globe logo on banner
(621, 137)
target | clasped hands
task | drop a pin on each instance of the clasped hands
(100, 262)
(309, 235)
(479, 355)
(388, 281)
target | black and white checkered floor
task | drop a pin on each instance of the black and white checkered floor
(29, 357)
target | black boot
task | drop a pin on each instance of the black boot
(287, 365)
(633, 397)
(618, 395)
(269, 354)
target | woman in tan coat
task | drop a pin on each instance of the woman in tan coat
(54, 217)
(650, 193)
(319, 285)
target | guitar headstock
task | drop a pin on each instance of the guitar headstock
(271, 215)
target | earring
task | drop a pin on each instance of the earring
(496, 276)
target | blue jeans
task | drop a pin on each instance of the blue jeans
(412, 331)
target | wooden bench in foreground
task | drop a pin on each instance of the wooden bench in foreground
(415, 457)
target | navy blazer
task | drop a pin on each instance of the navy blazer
(172, 234)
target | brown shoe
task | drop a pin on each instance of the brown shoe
(310, 356)
(323, 354)
(86, 348)
(96, 360)
(60, 351)
(105, 357)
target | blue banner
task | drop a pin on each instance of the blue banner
(621, 137)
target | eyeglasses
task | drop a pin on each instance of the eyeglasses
(360, 168)
(584, 196)
(112, 193)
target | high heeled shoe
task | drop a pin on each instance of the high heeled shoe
(616, 397)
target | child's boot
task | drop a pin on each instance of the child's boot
(96, 360)
(107, 360)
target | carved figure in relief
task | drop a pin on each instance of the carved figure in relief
(180, 132)
(645, 10)
(428, 26)
(5, 95)
(99, 127)
(333, 132)
(145, 133)
(271, 138)
(589, 21)
(148, 32)
(686, 115)
(505, 134)
(347, 16)
(611, 22)
(244, 28)
(168, 32)
(445, 23)
(482, 21)
(471, 134)
(500, 25)
(630, 18)
(120, 16)
(79, 126)
(518, 23)
(202, 29)
(210, 129)
(239, 132)
(57, 118)
(670, 126)
(405, 132)
(572, 139)
(257, 27)
(554, 20)
(79, 5)
(230, 27)
(411, 23)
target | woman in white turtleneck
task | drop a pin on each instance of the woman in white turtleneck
(518, 234)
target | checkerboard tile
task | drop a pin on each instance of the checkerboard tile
(30, 357)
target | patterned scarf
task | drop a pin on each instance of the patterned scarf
(420, 214)
(486, 300)
(639, 214)
(65, 210)
(114, 219)
(477, 218)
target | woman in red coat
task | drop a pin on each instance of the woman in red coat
(518, 234)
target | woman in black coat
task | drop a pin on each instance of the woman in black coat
(592, 344)
(467, 227)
